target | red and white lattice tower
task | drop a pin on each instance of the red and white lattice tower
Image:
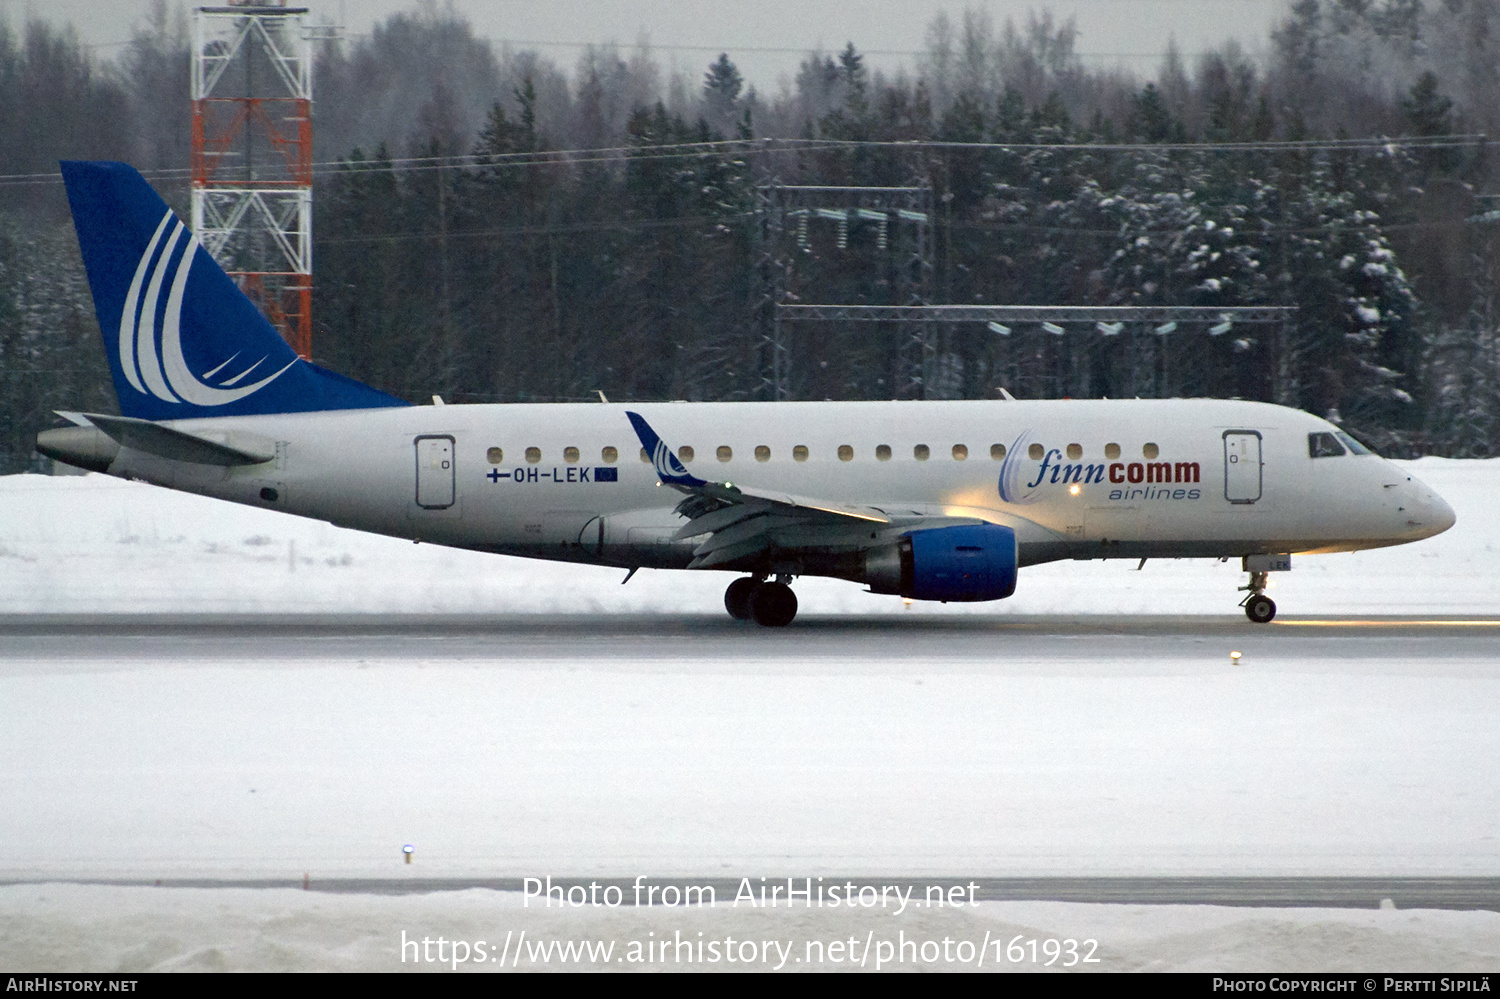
(252, 155)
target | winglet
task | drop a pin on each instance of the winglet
(668, 468)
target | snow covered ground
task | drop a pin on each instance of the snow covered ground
(512, 765)
(96, 928)
(73, 544)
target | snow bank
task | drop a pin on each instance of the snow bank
(93, 544)
(53, 927)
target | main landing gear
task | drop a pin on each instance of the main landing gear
(755, 598)
(1258, 607)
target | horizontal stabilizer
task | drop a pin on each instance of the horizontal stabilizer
(179, 445)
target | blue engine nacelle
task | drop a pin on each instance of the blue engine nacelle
(947, 563)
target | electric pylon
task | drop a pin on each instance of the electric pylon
(252, 155)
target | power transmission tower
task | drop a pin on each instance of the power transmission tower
(1088, 320)
(904, 218)
(252, 155)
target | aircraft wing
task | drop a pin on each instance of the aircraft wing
(742, 522)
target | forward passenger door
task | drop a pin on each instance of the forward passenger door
(1242, 466)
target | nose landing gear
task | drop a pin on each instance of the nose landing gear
(1258, 607)
(751, 598)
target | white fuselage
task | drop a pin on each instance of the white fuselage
(1075, 479)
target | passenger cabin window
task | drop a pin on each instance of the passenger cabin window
(1150, 451)
(1075, 451)
(1354, 446)
(997, 451)
(685, 452)
(921, 452)
(1035, 452)
(609, 455)
(724, 453)
(570, 455)
(1323, 445)
(882, 452)
(1111, 451)
(846, 452)
(799, 453)
(494, 456)
(762, 453)
(960, 452)
(533, 455)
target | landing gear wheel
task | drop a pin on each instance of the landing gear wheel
(773, 605)
(737, 599)
(1260, 608)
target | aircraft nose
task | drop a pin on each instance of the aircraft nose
(1443, 516)
(1430, 513)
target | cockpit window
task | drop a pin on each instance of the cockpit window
(1323, 445)
(1354, 446)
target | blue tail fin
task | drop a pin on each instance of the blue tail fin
(182, 339)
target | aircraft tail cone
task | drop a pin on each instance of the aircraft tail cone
(83, 447)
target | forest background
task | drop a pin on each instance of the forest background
(490, 226)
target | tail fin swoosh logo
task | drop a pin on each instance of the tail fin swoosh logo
(160, 369)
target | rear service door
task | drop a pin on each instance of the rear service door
(435, 472)
(1242, 466)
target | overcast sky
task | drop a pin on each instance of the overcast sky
(766, 38)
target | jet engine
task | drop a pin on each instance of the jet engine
(965, 563)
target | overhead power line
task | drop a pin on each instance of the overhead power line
(685, 150)
(696, 221)
(785, 49)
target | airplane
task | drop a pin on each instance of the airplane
(940, 501)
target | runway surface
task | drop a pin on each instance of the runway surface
(1111, 644)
